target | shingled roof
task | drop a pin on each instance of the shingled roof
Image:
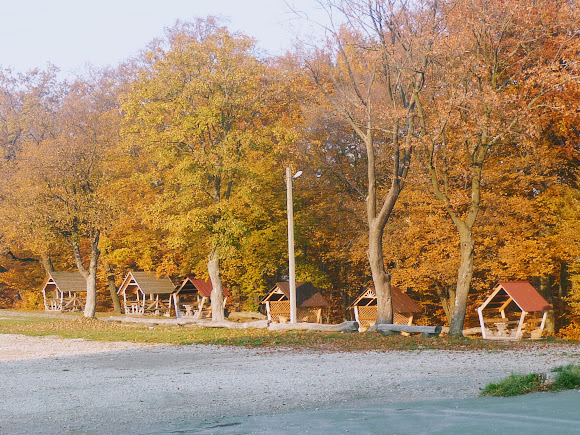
(148, 283)
(306, 294)
(67, 281)
(204, 287)
(524, 295)
(402, 303)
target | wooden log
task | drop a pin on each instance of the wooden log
(389, 329)
(258, 324)
(472, 331)
(150, 321)
(245, 316)
(302, 326)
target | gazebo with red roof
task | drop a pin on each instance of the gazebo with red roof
(309, 303)
(365, 308)
(191, 297)
(513, 302)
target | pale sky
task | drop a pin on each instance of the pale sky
(72, 33)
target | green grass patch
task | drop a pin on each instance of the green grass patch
(95, 329)
(567, 378)
(515, 385)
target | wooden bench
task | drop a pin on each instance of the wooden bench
(425, 331)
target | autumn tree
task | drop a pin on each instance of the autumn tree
(62, 179)
(206, 110)
(28, 104)
(493, 74)
(371, 74)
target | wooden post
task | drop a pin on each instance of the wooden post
(291, 258)
(544, 317)
(520, 325)
(176, 304)
(481, 322)
(268, 310)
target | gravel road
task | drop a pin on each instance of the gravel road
(52, 385)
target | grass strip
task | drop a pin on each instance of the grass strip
(94, 329)
(567, 378)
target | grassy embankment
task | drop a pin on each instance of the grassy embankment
(567, 378)
(78, 327)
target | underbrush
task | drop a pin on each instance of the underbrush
(567, 378)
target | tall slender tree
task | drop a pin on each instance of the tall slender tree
(493, 73)
(372, 74)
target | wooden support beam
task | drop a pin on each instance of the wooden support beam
(504, 306)
(520, 325)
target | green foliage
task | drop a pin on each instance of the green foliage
(567, 378)
(515, 385)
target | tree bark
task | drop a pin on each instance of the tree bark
(381, 279)
(46, 262)
(113, 288)
(564, 277)
(447, 298)
(217, 293)
(464, 275)
(90, 273)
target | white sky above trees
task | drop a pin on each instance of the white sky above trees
(73, 33)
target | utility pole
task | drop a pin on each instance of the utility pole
(291, 258)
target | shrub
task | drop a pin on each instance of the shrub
(567, 378)
(570, 332)
(515, 385)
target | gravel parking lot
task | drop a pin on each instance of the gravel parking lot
(53, 385)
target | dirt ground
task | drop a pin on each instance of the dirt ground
(52, 385)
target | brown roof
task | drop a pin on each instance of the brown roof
(525, 296)
(402, 303)
(67, 281)
(203, 287)
(306, 294)
(148, 282)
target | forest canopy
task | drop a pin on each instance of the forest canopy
(439, 143)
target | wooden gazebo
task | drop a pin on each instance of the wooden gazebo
(145, 293)
(191, 297)
(514, 310)
(309, 303)
(64, 291)
(365, 308)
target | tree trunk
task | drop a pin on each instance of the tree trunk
(113, 288)
(381, 279)
(564, 277)
(447, 298)
(89, 273)
(91, 303)
(46, 262)
(464, 275)
(217, 293)
(546, 292)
